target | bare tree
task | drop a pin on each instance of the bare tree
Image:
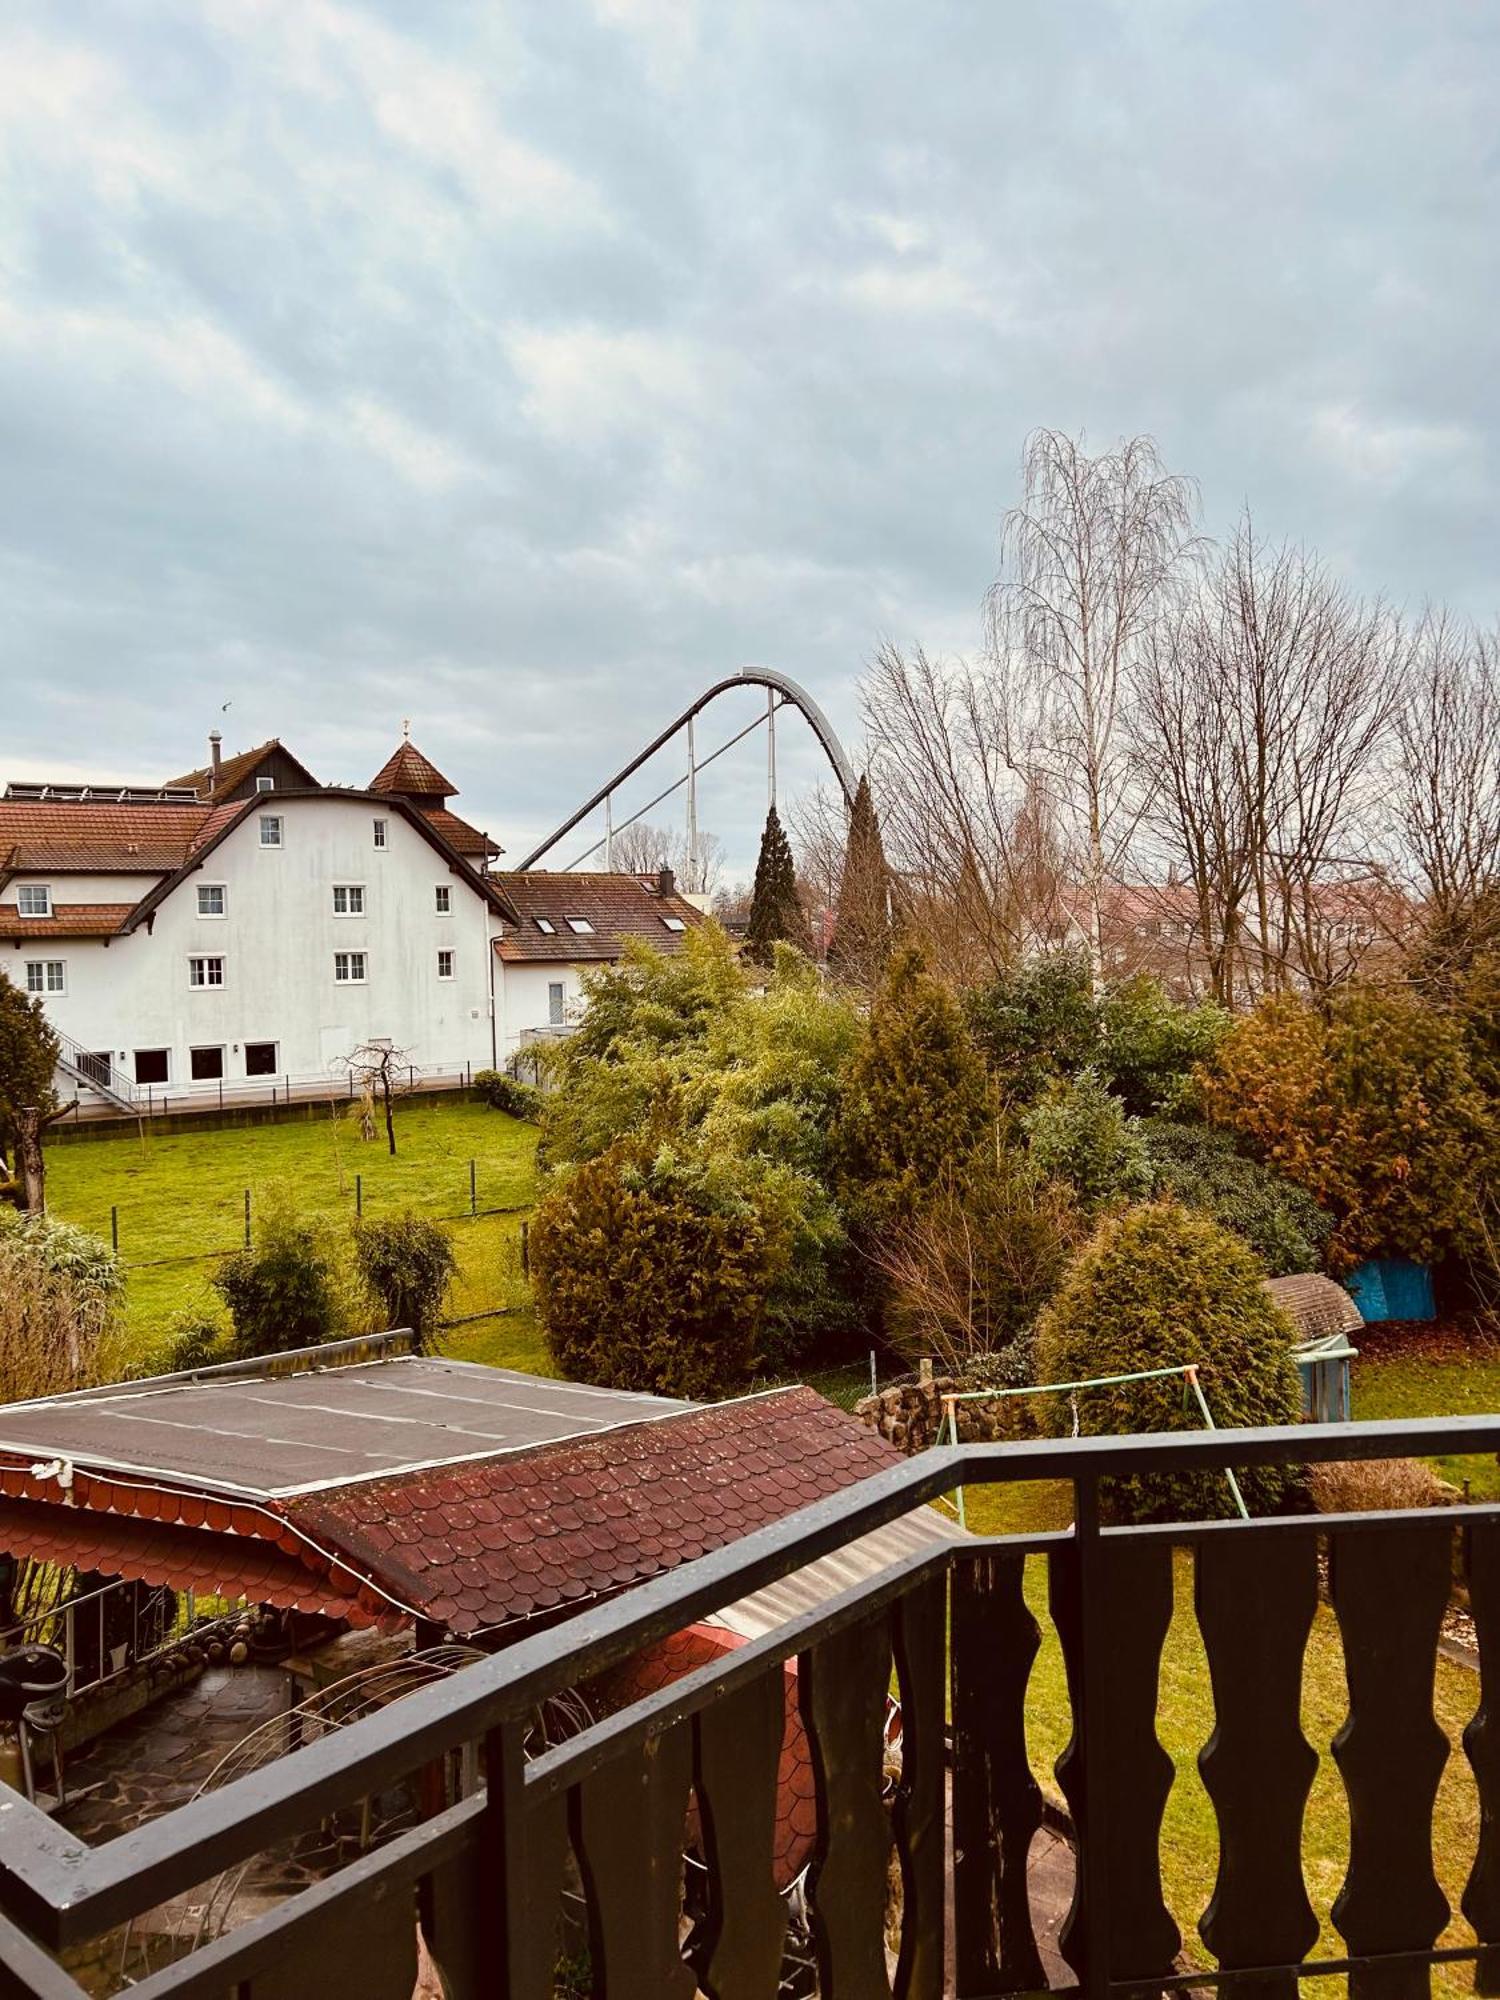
(1447, 796)
(642, 849)
(970, 834)
(1090, 561)
(1263, 704)
(383, 1073)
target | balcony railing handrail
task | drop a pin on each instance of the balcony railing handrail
(64, 1891)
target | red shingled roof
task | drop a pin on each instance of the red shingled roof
(146, 837)
(407, 770)
(218, 1564)
(233, 769)
(67, 920)
(619, 907)
(468, 840)
(527, 1534)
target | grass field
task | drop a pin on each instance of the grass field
(180, 1198)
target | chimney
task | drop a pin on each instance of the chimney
(666, 881)
(215, 741)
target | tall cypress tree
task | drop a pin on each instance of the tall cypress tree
(776, 912)
(862, 918)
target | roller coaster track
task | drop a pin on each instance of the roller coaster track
(777, 685)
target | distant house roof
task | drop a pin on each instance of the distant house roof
(409, 1486)
(81, 836)
(244, 764)
(407, 770)
(66, 920)
(615, 909)
(1316, 1306)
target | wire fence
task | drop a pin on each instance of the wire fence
(215, 1094)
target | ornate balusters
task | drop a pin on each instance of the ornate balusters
(843, 1685)
(1114, 1731)
(737, 1758)
(1390, 1587)
(1256, 1600)
(997, 1803)
(457, 1901)
(1481, 1901)
(629, 1822)
(917, 1813)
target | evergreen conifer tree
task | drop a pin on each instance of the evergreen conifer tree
(918, 1099)
(862, 933)
(776, 913)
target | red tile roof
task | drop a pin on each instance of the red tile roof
(458, 833)
(67, 920)
(101, 837)
(407, 770)
(619, 907)
(524, 1535)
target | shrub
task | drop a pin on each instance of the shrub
(653, 1272)
(1150, 1046)
(198, 1339)
(60, 1289)
(971, 1269)
(1078, 1133)
(284, 1292)
(1373, 1109)
(408, 1265)
(1036, 1022)
(1202, 1168)
(1368, 1485)
(507, 1093)
(1161, 1287)
(917, 1102)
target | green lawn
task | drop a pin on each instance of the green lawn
(180, 1198)
(1458, 1381)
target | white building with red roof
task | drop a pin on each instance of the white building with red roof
(246, 922)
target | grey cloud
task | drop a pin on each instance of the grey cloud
(520, 369)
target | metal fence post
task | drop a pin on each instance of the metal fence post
(359, 1195)
(525, 1249)
(114, 1229)
(473, 1191)
(247, 1218)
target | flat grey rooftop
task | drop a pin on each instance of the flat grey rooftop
(282, 1434)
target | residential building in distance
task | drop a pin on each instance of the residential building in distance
(245, 921)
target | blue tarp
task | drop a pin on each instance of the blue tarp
(1392, 1288)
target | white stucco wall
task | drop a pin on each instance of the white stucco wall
(278, 939)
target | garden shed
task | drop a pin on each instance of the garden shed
(1326, 1318)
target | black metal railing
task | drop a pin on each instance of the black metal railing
(608, 1809)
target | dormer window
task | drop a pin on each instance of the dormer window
(34, 899)
(580, 926)
(546, 926)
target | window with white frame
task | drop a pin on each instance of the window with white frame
(674, 923)
(546, 926)
(205, 972)
(580, 926)
(34, 899)
(213, 899)
(443, 897)
(349, 968)
(348, 899)
(556, 995)
(445, 965)
(270, 829)
(263, 784)
(379, 827)
(46, 975)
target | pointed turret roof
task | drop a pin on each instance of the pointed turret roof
(411, 774)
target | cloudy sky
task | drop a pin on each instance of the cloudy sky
(521, 368)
